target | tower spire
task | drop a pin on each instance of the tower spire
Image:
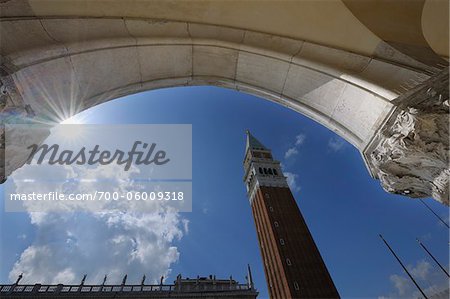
(253, 143)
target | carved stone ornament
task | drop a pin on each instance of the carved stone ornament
(410, 153)
(12, 110)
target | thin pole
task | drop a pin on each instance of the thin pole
(442, 220)
(434, 259)
(403, 266)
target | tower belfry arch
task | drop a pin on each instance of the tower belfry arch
(379, 80)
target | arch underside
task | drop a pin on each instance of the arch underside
(58, 59)
(80, 63)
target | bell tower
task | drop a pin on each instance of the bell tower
(292, 263)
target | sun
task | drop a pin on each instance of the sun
(69, 134)
(74, 120)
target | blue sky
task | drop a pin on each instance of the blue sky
(344, 207)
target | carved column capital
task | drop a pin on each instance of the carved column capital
(410, 152)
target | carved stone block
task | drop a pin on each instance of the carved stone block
(410, 153)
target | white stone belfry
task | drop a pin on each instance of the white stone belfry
(260, 167)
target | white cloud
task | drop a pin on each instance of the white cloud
(400, 283)
(336, 144)
(69, 245)
(431, 280)
(292, 180)
(299, 139)
(421, 270)
(185, 225)
(292, 151)
(115, 242)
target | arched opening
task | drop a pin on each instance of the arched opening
(227, 214)
(348, 87)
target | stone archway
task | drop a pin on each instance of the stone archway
(386, 96)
